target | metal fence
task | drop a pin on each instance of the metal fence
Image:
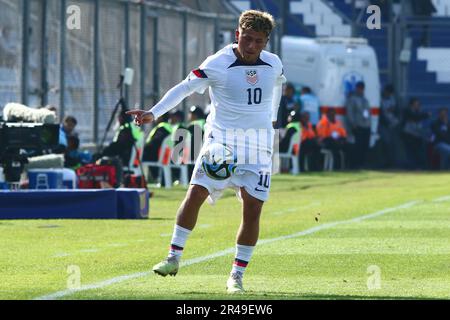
(44, 59)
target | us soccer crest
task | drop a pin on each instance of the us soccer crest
(252, 76)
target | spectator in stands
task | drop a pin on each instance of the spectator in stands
(288, 103)
(124, 140)
(414, 135)
(441, 138)
(309, 146)
(310, 103)
(332, 135)
(358, 123)
(389, 127)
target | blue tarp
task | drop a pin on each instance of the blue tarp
(74, 204)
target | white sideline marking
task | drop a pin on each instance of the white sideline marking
(102, 284)
(442, 199)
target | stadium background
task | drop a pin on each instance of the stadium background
(78, 70)
(319, 237)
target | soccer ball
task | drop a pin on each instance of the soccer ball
(218, 161)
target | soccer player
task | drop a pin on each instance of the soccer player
(245, 84)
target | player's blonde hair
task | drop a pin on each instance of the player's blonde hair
(258, 21)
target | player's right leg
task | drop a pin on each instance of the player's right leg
(186, 220)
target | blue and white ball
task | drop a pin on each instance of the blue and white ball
(219, 161)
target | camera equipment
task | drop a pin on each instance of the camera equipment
(126, 78)
(16, 138)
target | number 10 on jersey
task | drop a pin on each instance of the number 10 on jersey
(254, 96)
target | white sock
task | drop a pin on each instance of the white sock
(179, 238)
(243, 255)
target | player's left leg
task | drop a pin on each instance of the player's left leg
(247, 237)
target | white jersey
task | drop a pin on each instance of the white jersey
(243, 96)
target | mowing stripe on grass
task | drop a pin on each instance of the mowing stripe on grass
(296, 209)
(102, 284)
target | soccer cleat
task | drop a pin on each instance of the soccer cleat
(234, 283)
(167, 267)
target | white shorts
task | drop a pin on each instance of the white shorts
(257, 185)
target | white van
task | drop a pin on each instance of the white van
(331, 67)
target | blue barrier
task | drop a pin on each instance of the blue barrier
(74, 204)
(132, 203)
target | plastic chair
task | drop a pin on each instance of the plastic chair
(328, 163)
(136, 156)
(162, 163)
(292, 154)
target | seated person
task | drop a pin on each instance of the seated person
(124, 140)
(309, 144)
(156, 137)
(66, 129)
(73, 157)
(332, 135)
(166, 125)
(196, 128)
(441, 138)
(292, 128)
(414, 135)
(176, 119)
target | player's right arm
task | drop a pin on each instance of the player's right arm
(197, 81)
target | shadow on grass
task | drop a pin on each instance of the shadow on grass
(249, 295)
(160, 219)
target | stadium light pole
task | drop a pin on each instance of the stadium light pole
(127, 46)
(155, 61)
(284, 12)
(25, 49)
(96, 68)
(184, 53)
(44, 52)
(62, 58)
(143, 46)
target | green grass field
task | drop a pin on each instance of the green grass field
(408, 245)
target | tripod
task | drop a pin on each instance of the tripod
(121, 103)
